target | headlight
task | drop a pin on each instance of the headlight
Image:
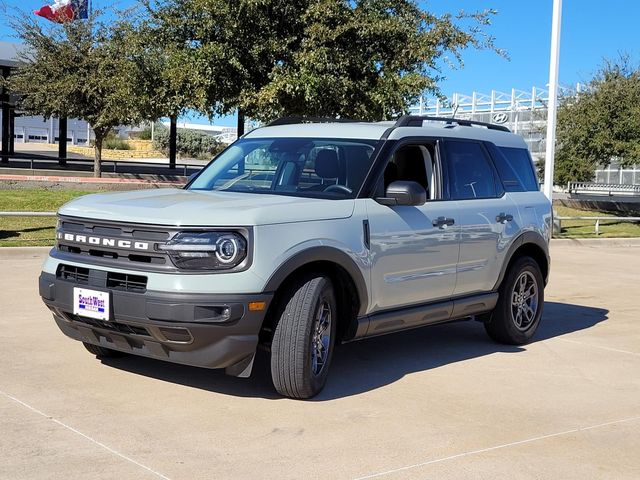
(206, 250)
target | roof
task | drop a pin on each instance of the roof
(9, 54)
(359, 131)
(375, 131)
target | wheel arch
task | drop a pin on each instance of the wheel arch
(346, 276)
(530, 244)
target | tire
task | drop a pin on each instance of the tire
(102, 352)
(520, 302)
(304, 338)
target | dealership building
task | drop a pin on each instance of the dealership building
(524, 112)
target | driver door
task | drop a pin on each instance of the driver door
(414, 254)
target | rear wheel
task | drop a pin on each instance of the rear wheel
(521, 297)
(304, 337)
(102, 352)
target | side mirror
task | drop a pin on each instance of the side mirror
(403, 192)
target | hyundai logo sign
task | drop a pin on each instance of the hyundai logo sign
(500, 118)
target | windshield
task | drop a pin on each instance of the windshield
(305, 167)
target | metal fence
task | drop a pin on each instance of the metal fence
(28, 214)
(590, 188)
(108, 166)
(557, 222)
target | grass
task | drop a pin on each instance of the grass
(586, 228)
(31, 231)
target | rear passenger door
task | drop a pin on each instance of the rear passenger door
(489, 218)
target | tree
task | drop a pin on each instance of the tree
(600, 124)
(368, 59)
(74, 70)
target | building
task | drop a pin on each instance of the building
(524, 113)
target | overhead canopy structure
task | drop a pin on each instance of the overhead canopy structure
(8, 60)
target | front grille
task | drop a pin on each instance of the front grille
(124, 282)
(108, 243)
(73, 274)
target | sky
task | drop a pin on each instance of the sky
(591, 31)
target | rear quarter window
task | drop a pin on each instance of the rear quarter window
(516, 169)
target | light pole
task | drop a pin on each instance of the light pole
(553, 99)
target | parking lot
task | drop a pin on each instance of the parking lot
(438, 402)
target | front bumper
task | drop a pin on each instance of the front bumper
(187, 328)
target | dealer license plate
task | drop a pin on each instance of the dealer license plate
(91, 303)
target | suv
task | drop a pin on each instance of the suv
(305, 234)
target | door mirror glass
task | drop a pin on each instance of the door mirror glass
(404, 192)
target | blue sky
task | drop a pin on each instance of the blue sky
(591, 30)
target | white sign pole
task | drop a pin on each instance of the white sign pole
(553, 99)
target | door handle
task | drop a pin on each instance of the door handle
(443, 222)
(504, 217)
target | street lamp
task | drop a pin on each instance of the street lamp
(553, 99)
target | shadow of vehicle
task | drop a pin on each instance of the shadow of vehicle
(370, 364)
(10, 234)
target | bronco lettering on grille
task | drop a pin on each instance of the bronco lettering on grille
(103, 241)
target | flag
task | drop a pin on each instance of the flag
(64, 11)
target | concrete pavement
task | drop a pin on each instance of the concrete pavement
(438, 402)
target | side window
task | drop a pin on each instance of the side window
(414, 163)
(470, 171)
(519, 162)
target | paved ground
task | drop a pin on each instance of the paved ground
(441, 402)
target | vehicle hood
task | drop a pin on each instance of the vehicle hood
(171, 206)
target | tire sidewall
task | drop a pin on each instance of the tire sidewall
(324, 292)
(524, 264)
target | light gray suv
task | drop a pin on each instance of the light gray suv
(304, 234)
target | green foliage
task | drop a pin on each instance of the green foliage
(190, 144)
(369, 59)
(145, 134)
(600, 124)
(78, 70)
(111, 142)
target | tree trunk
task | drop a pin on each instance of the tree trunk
(173, 141)
(97, 163)
(62, 141)
(240, 129)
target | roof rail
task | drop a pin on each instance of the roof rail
(416, 121)
(297, 120)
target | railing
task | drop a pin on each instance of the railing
(28, 214)
(557, 221)
(591, 188)
(181, 169)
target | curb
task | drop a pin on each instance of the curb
(90, 180)
(596, 242)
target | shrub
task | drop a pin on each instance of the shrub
(190, 143)
(115, 144)
(145, 134)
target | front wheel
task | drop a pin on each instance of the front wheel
(521, 297)
(304, 337)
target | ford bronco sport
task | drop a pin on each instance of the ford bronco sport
(302, 235)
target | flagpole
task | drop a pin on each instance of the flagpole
(554, 64)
